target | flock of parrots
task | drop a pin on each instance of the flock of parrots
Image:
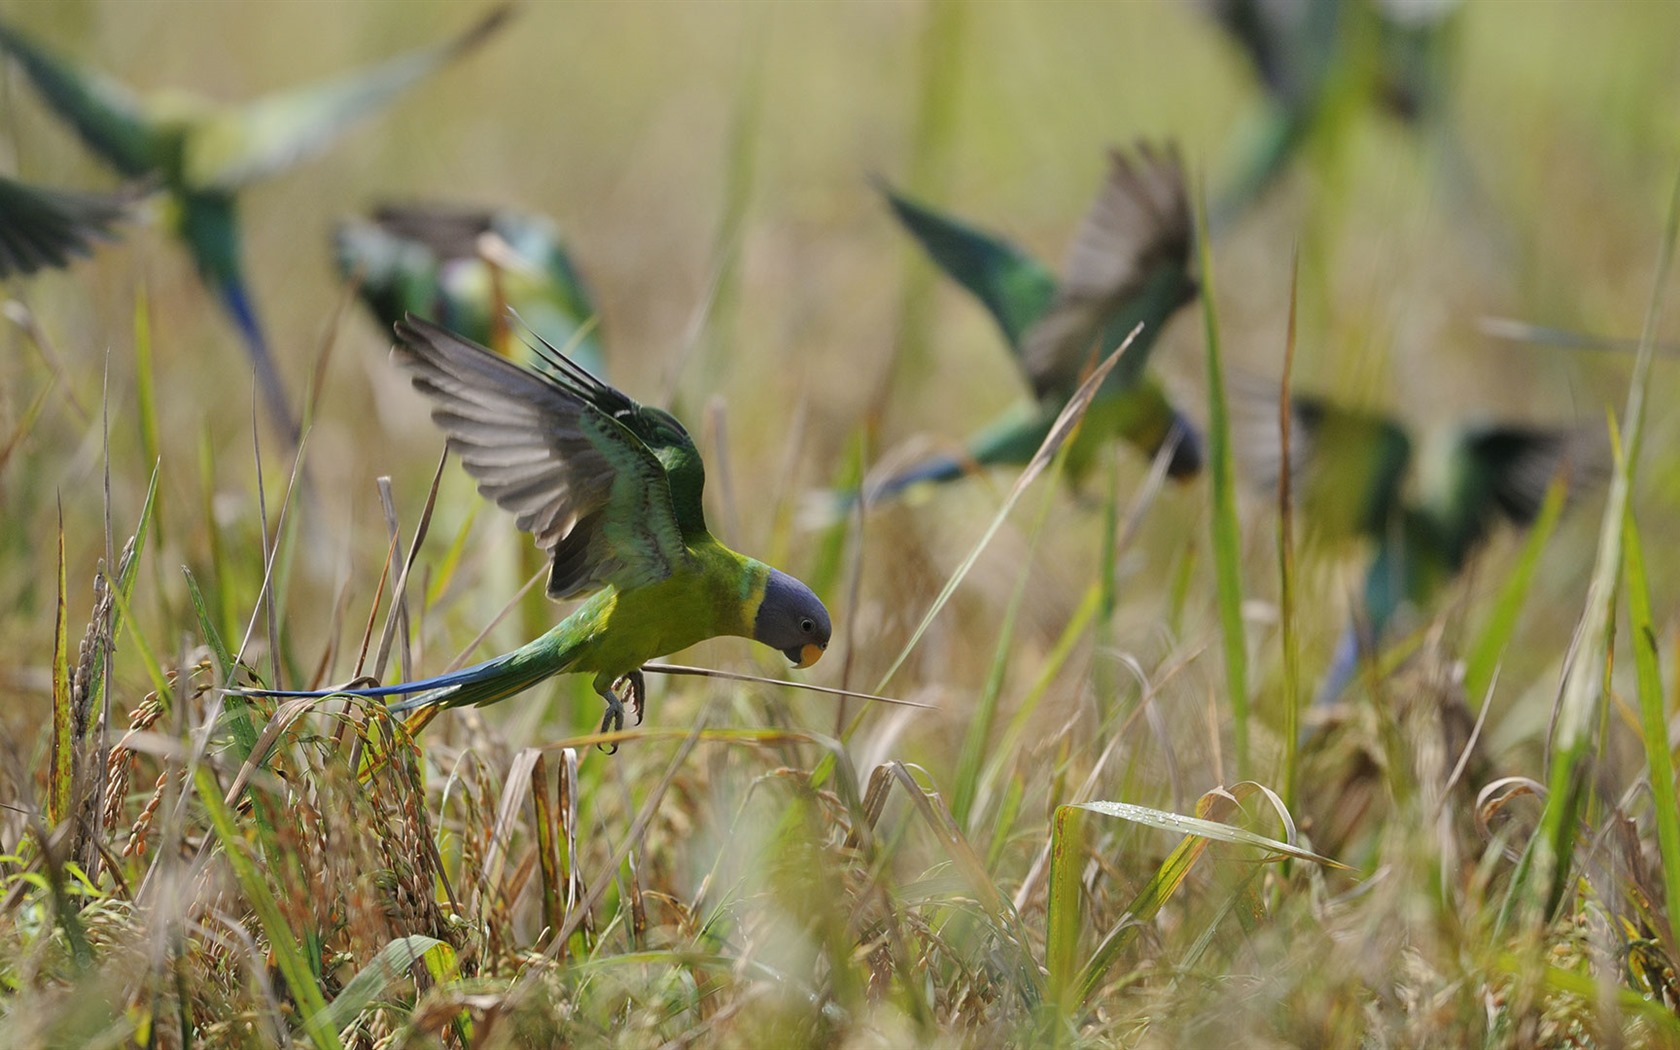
(612, 490)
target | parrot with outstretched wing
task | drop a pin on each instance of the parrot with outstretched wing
(612, 491)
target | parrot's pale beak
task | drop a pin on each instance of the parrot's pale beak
(805, 655)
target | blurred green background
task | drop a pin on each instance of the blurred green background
(709, 165)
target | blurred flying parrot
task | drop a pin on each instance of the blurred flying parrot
(1129, 263)
(464, 268)
(42, 228)
(203, 154)
(1309, 53)
(612, 491)
(1355, 475)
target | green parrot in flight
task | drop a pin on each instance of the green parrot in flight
(1129, 263)
(42, 228)
(204, 154)
(1355, 475)
(612, 491)
(464, 268)
(1304, 52)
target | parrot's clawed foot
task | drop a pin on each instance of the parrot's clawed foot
(635, 692)
(638, 693)
(613, 720)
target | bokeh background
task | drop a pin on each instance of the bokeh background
(710, 165)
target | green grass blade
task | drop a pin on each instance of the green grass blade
(1286, 555)
(1209, 829)
(971, 759)
(145, 384)
(1005, 922)
(829, 562)
(1064, 426)
(1654, 721)
(1080, 622)
(154, 669)
(61, 772)
(1591, 989)
(207, 626)
(1227, 537)
(713, 331)
(1490, 643)
(1199, 831)
(372, 981)
(443, 572)
(1585, 682)
(288, 953)
(221, 576)
(1063, 913)
(1142, 910)
(1008, 811)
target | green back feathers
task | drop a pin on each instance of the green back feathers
(1358, 475)
(460, 267)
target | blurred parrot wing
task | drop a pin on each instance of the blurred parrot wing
(1133, 246)
(560, 451)
(245, 143)
(1013, 286)
(1504, 471)
(41, 227)
(106, 114)
(1346, 467)
(447, 232)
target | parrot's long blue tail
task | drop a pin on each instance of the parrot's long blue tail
(836, 504)
(939, 468)
(486, 683)
(1343, 665)
(239, 306)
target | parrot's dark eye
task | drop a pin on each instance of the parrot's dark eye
(807, 625)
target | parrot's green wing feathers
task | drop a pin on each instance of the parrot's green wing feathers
(1127, 264)
(41, 227)
(106, 114)
(1504, 471)
(1352, 466)
(561, 451)
(1015, 287)
(240, 144)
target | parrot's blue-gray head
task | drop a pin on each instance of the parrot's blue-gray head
(792, 618)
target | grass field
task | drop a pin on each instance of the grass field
(759, 866)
